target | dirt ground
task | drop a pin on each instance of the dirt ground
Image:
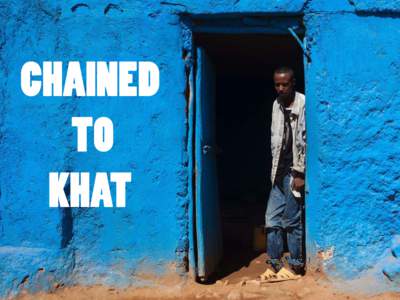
(232, 286)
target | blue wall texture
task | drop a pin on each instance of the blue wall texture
(353, 142)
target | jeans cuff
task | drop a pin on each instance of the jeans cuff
(295, 262)
(275, 263)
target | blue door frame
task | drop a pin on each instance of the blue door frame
(203, 256)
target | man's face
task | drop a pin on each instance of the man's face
(284, 85)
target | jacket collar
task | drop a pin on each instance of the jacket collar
(296, 105)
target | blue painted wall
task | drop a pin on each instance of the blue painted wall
(352, 102)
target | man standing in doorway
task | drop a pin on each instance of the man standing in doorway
(284, 208)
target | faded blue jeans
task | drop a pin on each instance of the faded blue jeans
(283, 215)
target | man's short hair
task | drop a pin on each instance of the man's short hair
(286, 70)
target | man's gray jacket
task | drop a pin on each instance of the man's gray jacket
(298, 124)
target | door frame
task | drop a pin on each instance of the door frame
(193, 24)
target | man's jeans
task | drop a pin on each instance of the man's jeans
(284, 215)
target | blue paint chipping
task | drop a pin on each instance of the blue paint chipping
(353, 176)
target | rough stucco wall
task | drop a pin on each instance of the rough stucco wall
(376, 5)
(86, 245)
(149, 140)
(353, 101)
(352, 203)
(30, 233)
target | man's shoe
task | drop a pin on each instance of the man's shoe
(267, 275)
(286, 274)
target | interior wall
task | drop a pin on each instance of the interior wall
(245, 93)
(244, 96)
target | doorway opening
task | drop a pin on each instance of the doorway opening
(244, 93)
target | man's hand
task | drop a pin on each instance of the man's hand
(298, 184)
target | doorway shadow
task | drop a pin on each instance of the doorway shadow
(244, 66)
(238, 223)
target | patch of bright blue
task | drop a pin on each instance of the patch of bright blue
(353, 204)
(376, 6)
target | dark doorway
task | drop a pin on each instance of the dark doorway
(244, 65)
